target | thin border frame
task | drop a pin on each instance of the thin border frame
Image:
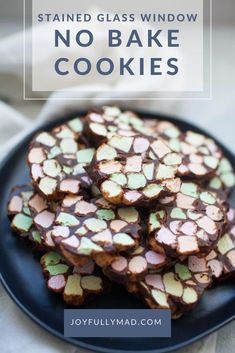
(121, 98)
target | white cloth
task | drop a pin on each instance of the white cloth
(17, 332)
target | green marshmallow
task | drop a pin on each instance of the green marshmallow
(189, 189)
(68, 146)
(79, 169)
(51, 258)
(194, 138)
(207, 197)
(99, 129)
(193, 215)
(160, 298)
(46, 139)
(73, 285)
(123, 239)
(26, 195)
(122, 143)
(190, 295)
(22, 222)
(215, 183)
(27, 211)
(135, 121)
(174, 145)
(81, 231)
(136, 181)
(66, 219)
(224, 166)
(182, 271)
(52, 168)
(65, 133)
(172, 286)
(36, 236)
(165, 172)
(111, 188)
(67, 170)
(86, 155)
(154, 220)
(211, 162)
(48, 185)
(178, 213)
(152, 190)
(148, 170)
(87, 246)
(59, 269)
(225, 244)
(54, 152)
(172, 159)
(228, 179)
(119, 178)
(107, 215)
(76, 125)
(172, 132)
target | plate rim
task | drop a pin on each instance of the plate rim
(76, 342)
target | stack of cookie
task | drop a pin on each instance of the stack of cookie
(136, 201)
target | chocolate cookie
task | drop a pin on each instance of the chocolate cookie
(224, 252)
(57, 160)
(135, 265)
(76, 284)
(43, 213)
(103, 123)
(224, 180)
(20, 214)
(200, 155)
(179, 288)
(95, 229)
(135, 170)
(189, 222)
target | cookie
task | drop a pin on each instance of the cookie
(33, 215)
(103, 123)
(77, 285)
(224, 253)
(95, 229)
(200, 154)
(189, 222)
(201, 157)
(135, 265)
(134, 170)
(224, 180)
(178, 289)
(20, 215)
(57, 159)
(43, 214)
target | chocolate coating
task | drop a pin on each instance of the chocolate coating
(189, 222)
(21, 216)
(95, 229)
(77, 284)
(134, 170)
(57, 159)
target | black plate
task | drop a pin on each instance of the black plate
(22, 278)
